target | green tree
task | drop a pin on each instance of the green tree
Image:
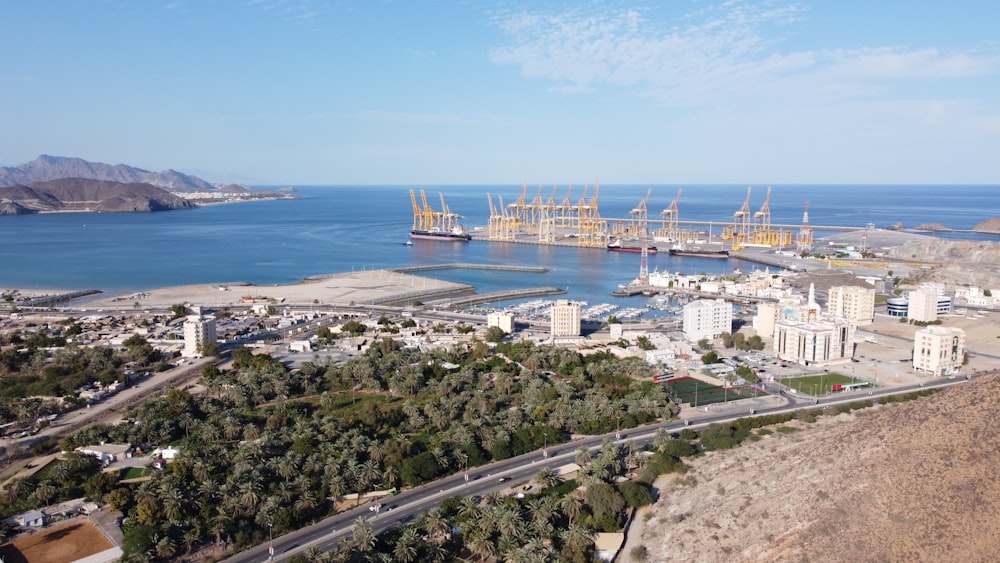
(636, 494)
(705, 344)
(710, 357)
(495, 334)
(755, 342)
(179, 310)
(727, 339)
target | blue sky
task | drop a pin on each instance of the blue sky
(468, 92)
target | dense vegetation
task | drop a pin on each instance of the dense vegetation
(268, 445)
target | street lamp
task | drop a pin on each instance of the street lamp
(545, 444)
(270, 542)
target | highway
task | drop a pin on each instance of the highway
(407, 506)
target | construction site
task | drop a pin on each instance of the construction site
(550, 219)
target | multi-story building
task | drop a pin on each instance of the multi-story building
(565, 319)
(707, 318)
(852, 302)
(501, 319)
(198, 330)
(938, 349)
(819, 342)
(922, 306)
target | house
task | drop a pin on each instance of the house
(107, 453)
(30, 519)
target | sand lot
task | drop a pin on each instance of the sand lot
(343, 288)
(60, 544)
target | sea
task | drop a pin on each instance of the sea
(332, 229)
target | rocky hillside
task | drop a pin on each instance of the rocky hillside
(962, 262)
(988, 226)
(79, 194)
(45, 168)
(915, 481)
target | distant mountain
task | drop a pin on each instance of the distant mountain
(45, 168)
(83, 194)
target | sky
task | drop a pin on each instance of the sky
(439, 92)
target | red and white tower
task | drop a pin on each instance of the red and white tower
(805, 239)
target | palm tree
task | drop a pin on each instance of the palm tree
(481, 545)
(582, 456)
(405, 549)
(44, 492)
(364, 537)
(434, 523)
(572, 506)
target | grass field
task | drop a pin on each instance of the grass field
(698, 393)
(818, 384)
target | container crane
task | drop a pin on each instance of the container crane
(670, 218)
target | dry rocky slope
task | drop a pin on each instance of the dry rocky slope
(962, 262)
(914, 481)
(79, 194)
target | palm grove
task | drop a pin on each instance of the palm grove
(267, 446)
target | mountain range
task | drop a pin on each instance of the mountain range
(45, 168)
(84, 194)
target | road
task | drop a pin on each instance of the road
(327, 534)
(110, 407)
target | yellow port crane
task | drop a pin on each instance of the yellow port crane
(737, 232)
(762, 233)
(564, 211)
(418, 216)
(547, 219)
(670, 217)
(592, 230)
(516, 211)
(640, 216)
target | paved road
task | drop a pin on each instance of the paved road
(326, 534)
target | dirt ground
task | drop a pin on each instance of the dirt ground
(916, 481)
(63, 543)
(346, 287)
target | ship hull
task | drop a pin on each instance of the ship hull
(722, 254)
(632, 249)
(440, 236)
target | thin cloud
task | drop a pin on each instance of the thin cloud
(413, 118)
(723, 52)
(296, 11)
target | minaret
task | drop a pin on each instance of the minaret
(812, 308)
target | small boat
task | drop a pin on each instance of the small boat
(408, 243)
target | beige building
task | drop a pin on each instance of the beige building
(565, 319)
(938, 349)
(922, 306)
(819, 342)
(763, 321)
(502, 320)
(852, 302)
(198, 330)
(707, 318)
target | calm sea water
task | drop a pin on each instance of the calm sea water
(344, 228)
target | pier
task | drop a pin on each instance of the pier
(505, 296)
(470, 266)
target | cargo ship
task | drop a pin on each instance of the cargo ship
(617, 246)
(456, 234)
(699, 253)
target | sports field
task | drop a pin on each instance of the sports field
(698, 393)
(63, 543)
(818, 384)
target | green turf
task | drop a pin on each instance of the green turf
(818, 384)
(698, 393)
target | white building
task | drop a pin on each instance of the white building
(565, 318)
(107, 453)
(707, 318)
(852, 302)
(502, 320)
(938, 349)
(197, 331)
(819, 342)
(922, 306)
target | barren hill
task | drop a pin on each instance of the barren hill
(45, 168)
(917, 481)
(78, 194)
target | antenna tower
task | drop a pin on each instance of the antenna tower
(805, 233)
